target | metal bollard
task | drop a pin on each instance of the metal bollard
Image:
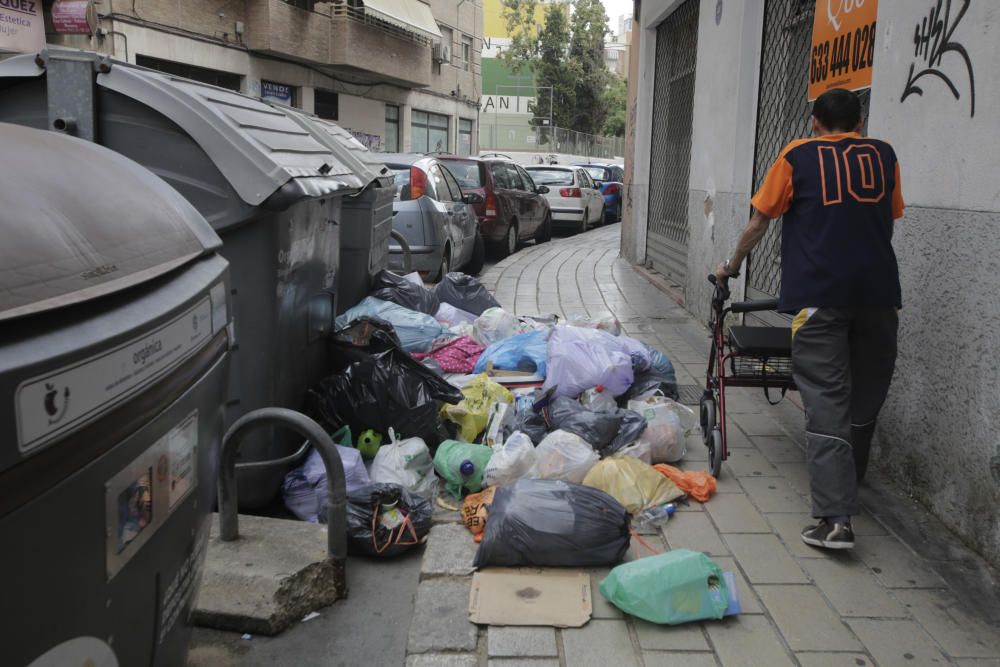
(336, 483)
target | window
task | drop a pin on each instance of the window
(448, 41)
(514, 177)
(552, 176)
(469, 174)
(529, 184)
(391, 128)
(430, 132)
(464, 136)
(203, 74)
(584, 177)
(449, 178)
(466, 53)
(327, 104)
(500, 180)
(440, 185)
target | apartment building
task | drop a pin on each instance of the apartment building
(401, 75)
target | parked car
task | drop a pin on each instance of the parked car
(573, 197)
(435, 217)
(610, 179)
(513, 208)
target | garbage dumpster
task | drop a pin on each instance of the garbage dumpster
(114, 338)
(261, 178)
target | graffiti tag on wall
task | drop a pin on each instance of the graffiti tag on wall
(932, 40)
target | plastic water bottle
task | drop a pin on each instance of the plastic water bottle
(654, 516)
(598, 400)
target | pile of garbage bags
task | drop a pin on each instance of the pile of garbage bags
(549, 431)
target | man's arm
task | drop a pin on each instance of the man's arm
(748, 240)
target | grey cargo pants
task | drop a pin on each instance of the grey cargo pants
(842, 362)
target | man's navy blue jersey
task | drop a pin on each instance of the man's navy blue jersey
(839, 195)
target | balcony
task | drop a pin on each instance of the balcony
(341, 41)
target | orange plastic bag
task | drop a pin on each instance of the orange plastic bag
(698, 484)
(475, 509)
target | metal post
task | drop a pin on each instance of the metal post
(336, 483)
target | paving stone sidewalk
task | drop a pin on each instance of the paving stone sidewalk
(920, 600)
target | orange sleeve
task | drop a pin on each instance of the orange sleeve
(775, 193)
(897, 197)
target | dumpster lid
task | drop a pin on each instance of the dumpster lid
(369, 166)
(79, 221)
(258, 147)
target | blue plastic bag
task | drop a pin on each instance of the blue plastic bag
(524, 352)
(416, 331)
(661, 364)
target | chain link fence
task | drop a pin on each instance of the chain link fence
(670, 148)
(521, 135)
(783, 114)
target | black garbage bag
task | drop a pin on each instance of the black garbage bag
(607, 432)
(386, 519)
(465, 292)
(390, 287)
(552, 523)
(649, 381)
(387, 388)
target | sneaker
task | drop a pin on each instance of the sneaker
(829, 535)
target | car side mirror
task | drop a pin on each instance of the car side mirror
(473, 198)
(542, 189)
(598, 184)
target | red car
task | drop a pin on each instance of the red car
(513, 208)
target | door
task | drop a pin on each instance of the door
(463, 217)
(518, 193)
(445, 206)
(532, 202)
(503, 189)
(670, 146)
(592, 196)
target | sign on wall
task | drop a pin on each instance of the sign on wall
(22, 26)
(74, 17)
(276, 92)
(843, 45)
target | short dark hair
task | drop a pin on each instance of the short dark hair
(838, 110)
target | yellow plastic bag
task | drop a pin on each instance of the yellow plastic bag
(632, 483)
(472, 412)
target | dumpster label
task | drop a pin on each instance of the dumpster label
(141, 496)
(182, 447)
(180, 591)
(52, 405)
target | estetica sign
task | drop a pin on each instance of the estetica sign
(22, 26)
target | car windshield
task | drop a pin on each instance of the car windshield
(551, 176)
(402, 175)
(598, 173)
(468, 174)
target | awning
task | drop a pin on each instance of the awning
(410, 15)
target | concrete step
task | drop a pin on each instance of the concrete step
(269, 578)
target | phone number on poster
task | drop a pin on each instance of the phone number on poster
(843, 55)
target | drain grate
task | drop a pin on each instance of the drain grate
(689, 394)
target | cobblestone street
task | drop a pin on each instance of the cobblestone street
(909, 594)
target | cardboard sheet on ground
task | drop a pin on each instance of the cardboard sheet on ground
(530, 596)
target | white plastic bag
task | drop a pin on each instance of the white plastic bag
(407, 463)
(583, 358)
(493, 325)
(606, 322)
(449, 316)
(640, 449)
(563, 455)
(669, 423)
(511, 460)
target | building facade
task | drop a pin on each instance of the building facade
(401, 75)
(722, 86)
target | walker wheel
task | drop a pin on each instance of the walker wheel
(715, 452)
(708, 419)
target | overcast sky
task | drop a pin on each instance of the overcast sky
(616, 8)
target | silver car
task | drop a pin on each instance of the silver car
(436, 219)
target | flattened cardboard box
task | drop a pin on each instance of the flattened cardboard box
(530, 596)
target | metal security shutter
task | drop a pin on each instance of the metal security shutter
(783, 114)
(670, 150)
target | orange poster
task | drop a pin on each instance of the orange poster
(843, 45)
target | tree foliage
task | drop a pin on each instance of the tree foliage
(617, 97)
(565, 53)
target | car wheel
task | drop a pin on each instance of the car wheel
(478, 259)
(509, 244)
(584, 221)
(544, 232)
(604, 213)
(445, 264)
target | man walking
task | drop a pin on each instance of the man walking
(839, 194)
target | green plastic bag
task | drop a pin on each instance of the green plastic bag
(675, 587)
(461, 465)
